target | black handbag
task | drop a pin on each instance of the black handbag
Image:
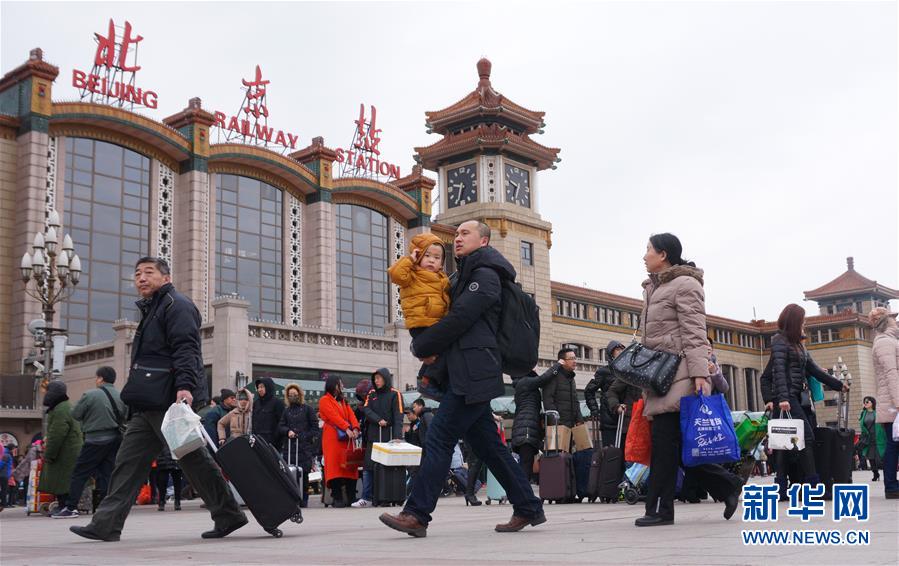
(646, 368)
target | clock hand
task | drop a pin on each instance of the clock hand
(459, 193)
(517, 186)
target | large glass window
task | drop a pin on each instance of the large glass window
(361, 269)
(248, 243)
(107, 212)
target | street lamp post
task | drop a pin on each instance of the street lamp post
(55, 272)
(841, 372)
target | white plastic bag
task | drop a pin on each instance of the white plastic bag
(786, 434)
(182, 430)
(896, 428)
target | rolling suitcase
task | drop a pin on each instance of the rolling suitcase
(388, 483)
(595, 464)
(261, 477)
(293, 467)
(612, 470)
(495, 491)
(843, 447)
(557, 481)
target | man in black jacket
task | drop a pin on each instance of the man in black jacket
(560, 393)
(166, 367)
(466, 338)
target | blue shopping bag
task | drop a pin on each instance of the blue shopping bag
(707, 430)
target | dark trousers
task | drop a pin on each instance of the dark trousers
(4, 486)
(665, 459)
(890, 459)
(527, 453)
(162, 484)
(140, 446)
(474, 423)
(805, 457)
(95, 460)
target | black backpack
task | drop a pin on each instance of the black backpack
(518, 336)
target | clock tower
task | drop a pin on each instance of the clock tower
(487, 166)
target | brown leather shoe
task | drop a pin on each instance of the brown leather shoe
(405, 523)
(516, 523)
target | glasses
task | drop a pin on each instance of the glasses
(569, 359)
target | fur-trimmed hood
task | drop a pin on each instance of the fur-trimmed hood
(672, 273)
(290, 387)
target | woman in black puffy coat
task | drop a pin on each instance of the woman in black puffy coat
(527, 434)
(298, 428)
(784, 382)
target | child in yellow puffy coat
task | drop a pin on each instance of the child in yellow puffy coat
(424, 292)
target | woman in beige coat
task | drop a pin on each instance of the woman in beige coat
(674, 321)
(886, 370)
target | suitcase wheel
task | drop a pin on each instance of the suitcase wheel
(277, 533)
(297, 517)
(488, 502)
(631, 496)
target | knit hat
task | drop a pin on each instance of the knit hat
(362, 389)
(226, 393)
(878, 318)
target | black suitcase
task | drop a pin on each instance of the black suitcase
(842, 455)
(557, 481)
(595, 465)
(389, 485)
(612, 471)
(262, 479)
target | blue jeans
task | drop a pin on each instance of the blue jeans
(366, 485)
(890, 459)
(474, 423)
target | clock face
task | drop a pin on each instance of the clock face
(462, 185)
(518, 185)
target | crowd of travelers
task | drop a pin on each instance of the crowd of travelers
(110, 440)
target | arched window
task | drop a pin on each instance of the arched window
(248, 238)
(362, 296)
(106, 209)
(751, 399)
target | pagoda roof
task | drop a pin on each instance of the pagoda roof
(487, 137)
(484, 102)
(850, 282)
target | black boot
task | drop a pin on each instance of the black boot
(471, 499)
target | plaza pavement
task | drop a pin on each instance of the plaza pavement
(574, 534)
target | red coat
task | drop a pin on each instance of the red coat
(340, 415)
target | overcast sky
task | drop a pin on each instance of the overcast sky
(763, 134)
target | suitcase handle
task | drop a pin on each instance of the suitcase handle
(546, 426)
(620, 429)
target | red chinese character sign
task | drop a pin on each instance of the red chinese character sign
(250, 124)
(113, 78)
(362, 158)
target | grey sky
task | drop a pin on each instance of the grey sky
(764, 134)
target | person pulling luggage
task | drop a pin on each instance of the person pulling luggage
(384, 420)
(168, 337)
(298, 428)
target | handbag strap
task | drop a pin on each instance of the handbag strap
(115, 409)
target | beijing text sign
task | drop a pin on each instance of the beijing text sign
(113, 78)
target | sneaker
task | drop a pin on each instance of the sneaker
(65, 513)
(361, 503)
